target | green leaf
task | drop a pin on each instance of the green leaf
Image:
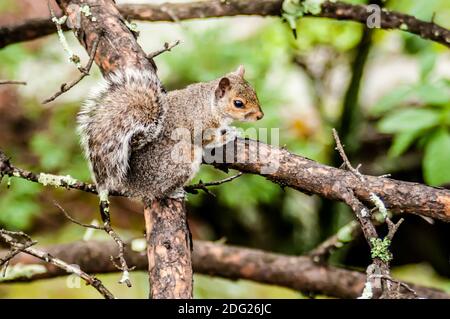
(432, 93)
(402, 141)
(409, 120)
(436, 161)
(428, 61)
(446, 116)
(392, 99)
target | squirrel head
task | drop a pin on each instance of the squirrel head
(236, 98)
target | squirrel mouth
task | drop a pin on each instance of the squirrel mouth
(253, 116)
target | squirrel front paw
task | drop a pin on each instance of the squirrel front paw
(223, 136)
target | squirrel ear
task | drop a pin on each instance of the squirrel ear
(223, 87)
(240, 71)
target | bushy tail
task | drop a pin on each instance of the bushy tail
(124, 113)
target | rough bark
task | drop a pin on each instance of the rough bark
(117, 48)
(299, 273)
(305, 175)
(33, 29)
(168, 250)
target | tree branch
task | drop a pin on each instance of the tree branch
(84, 72)
(381, 255)
(299, 273)
(49, 260)
(344, 235)
(193, 189)
(32, 29)
(167, 47)
(168, 250)
(280, 166)
(300, 173)
(2, 82)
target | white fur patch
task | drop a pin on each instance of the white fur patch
(196, 162)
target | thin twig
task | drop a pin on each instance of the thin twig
(123, 266)
(62, 39)
(379, 266)
(110, 231)
(8, 169)
(398, 282)
(204, 186)
(393, 227)
(8, 236)
(12, 82)
(344, 235)
(13, 253)
(105, 215)
(74, 220)
(84, 72)
(347, 163)
(167, 47)
(18, 236)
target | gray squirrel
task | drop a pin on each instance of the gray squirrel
(147, 143)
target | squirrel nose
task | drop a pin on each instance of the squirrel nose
(259, 115)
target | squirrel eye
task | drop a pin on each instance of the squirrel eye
(239, 104)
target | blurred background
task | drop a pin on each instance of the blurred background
(387, 93)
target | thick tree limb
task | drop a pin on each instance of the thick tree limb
(168, 250)
(117, 47)
(33, 29)
(68, 182)
(299, 273)
(307, 176)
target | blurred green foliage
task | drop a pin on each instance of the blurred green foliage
(420, 113)
(58, 149)
(18, 203)
(8, 7)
